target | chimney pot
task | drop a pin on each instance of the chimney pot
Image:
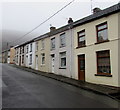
(52, 28)
(95, 10)
(70, 20)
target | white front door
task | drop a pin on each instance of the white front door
(36, 63)
(53, 59)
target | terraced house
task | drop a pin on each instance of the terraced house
(42, 52)
(61, 56)
(96, 52)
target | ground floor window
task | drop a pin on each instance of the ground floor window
(42, 58)
(63, 59)
(30, 59)
(103, 62)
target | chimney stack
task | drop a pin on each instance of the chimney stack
(52, 28)
(70, 21)
(95, 10)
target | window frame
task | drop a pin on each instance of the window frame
(63, 67)
(79, 37)
(63, 45)
(36, 47)
(52, 48)
(97, 58)
(42, 44)
(97, 31)
(42, 59)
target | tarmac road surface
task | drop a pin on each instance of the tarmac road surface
(22, 89)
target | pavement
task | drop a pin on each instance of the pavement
(112, 92)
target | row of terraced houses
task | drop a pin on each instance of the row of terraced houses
(85, 50)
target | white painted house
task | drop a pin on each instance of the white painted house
(30, 54)
(61, 56)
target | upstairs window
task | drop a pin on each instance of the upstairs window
(27, 48)
(81, 38)
(103, 62)
(102, 32)
(42, 44)
(53, 43)
(31, 47)
(36, 46)
(62, 40)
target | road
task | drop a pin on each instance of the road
(22, 89)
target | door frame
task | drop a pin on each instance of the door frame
(81, 73)
(53, 56)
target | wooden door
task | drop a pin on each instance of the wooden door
(81, 67)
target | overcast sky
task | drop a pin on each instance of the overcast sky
(21, 16)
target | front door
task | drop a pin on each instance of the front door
(81, 67)
(53, 60)
(36, 62)
(20, 60)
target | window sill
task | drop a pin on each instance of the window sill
(80, 46)
(102, 42)
(106, 75)
(62, 68)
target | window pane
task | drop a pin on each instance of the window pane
(63, 62)
(103, 35)
(103, 62)
(81, 38)
(102, 26)
(53, 43)
(62, 40)
(81, 33)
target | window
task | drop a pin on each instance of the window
(27, 49)
(42, 58)
(42, 44)
(81, 38)
(102, 32)
(53, 43)
(31, 47)
(20, 50)
(62, 40)
(103, 62)
(23, 50)
(36, 46)
(63, 59)
(30, 59)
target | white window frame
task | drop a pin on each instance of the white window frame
(36, 47)
(52, 43)
(42, 44)
(61, 57)
(31, 45)
(62, 40)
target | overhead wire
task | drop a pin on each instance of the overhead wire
(43, 21)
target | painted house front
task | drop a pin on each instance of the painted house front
(96, 40)
(12, 55)
(42, 53)
(61, 51)
(30, 54)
